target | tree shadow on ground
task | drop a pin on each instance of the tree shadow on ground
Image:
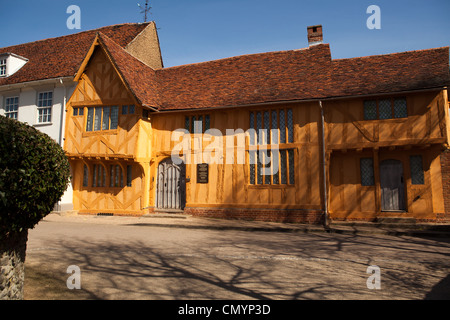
(145, 262)
(238, 268)
(132, 271)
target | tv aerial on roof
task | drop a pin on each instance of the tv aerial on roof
(145, 10)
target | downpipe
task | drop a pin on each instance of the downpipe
(326, 222)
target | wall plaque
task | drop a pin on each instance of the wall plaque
(202, 173)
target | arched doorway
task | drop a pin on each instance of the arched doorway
(392, 185)
(170, 191)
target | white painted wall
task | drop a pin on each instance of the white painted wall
(28, 113)
(14, 63)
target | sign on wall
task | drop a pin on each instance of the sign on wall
(202, 173)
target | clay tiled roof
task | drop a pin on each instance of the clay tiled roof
(406, 71)
(273, 76)
(298, 75)
(139, 78)
(304, 74)
(62, 56)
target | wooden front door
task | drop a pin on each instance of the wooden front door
(392, 185)
(171, 185)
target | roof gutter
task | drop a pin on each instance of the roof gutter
(63, 111)
(20, 85)
(151, 108)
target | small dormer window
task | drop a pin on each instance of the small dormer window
(10, 63)
(2, 67)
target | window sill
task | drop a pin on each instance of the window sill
(43, 124)
(99, 132)
(105, 188)
(386, 120)
(272, 186)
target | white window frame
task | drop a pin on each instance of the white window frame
(11, 114)
(44, 107)
(3, 67)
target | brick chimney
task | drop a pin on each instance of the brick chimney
(315, 35)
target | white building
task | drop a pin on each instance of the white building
(36, 78)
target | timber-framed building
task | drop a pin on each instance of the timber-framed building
(354, 139)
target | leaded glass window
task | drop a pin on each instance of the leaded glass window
(129, 175)
(283, 166)
(290, 126)
(275, 167)
(252, 126)
(105, 121)
(193, 119)
(267, 164)
(99, 176)
(197, 123)
(291, 167)
(258, 127)
(279, 165)
(102, 176)
(116, 176)
(85, 176)
(111, 176)
(101, 118)
(207, 122)
(370, 110)
(94, 178)
(385, 109)
(280, 122)
(274, 127)
(416, 166)
(282, 127)
(400, 108)
(252, 159)
(259, 169)
(266, 127)
(78, 111)
(114, 117)
(90, 119)
(97, 118)
(367, 176)
(187, 123)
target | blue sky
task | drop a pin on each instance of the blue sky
(200, 30)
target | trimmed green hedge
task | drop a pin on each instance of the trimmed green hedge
(34, 173)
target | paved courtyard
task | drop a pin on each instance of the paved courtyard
(144, 258)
